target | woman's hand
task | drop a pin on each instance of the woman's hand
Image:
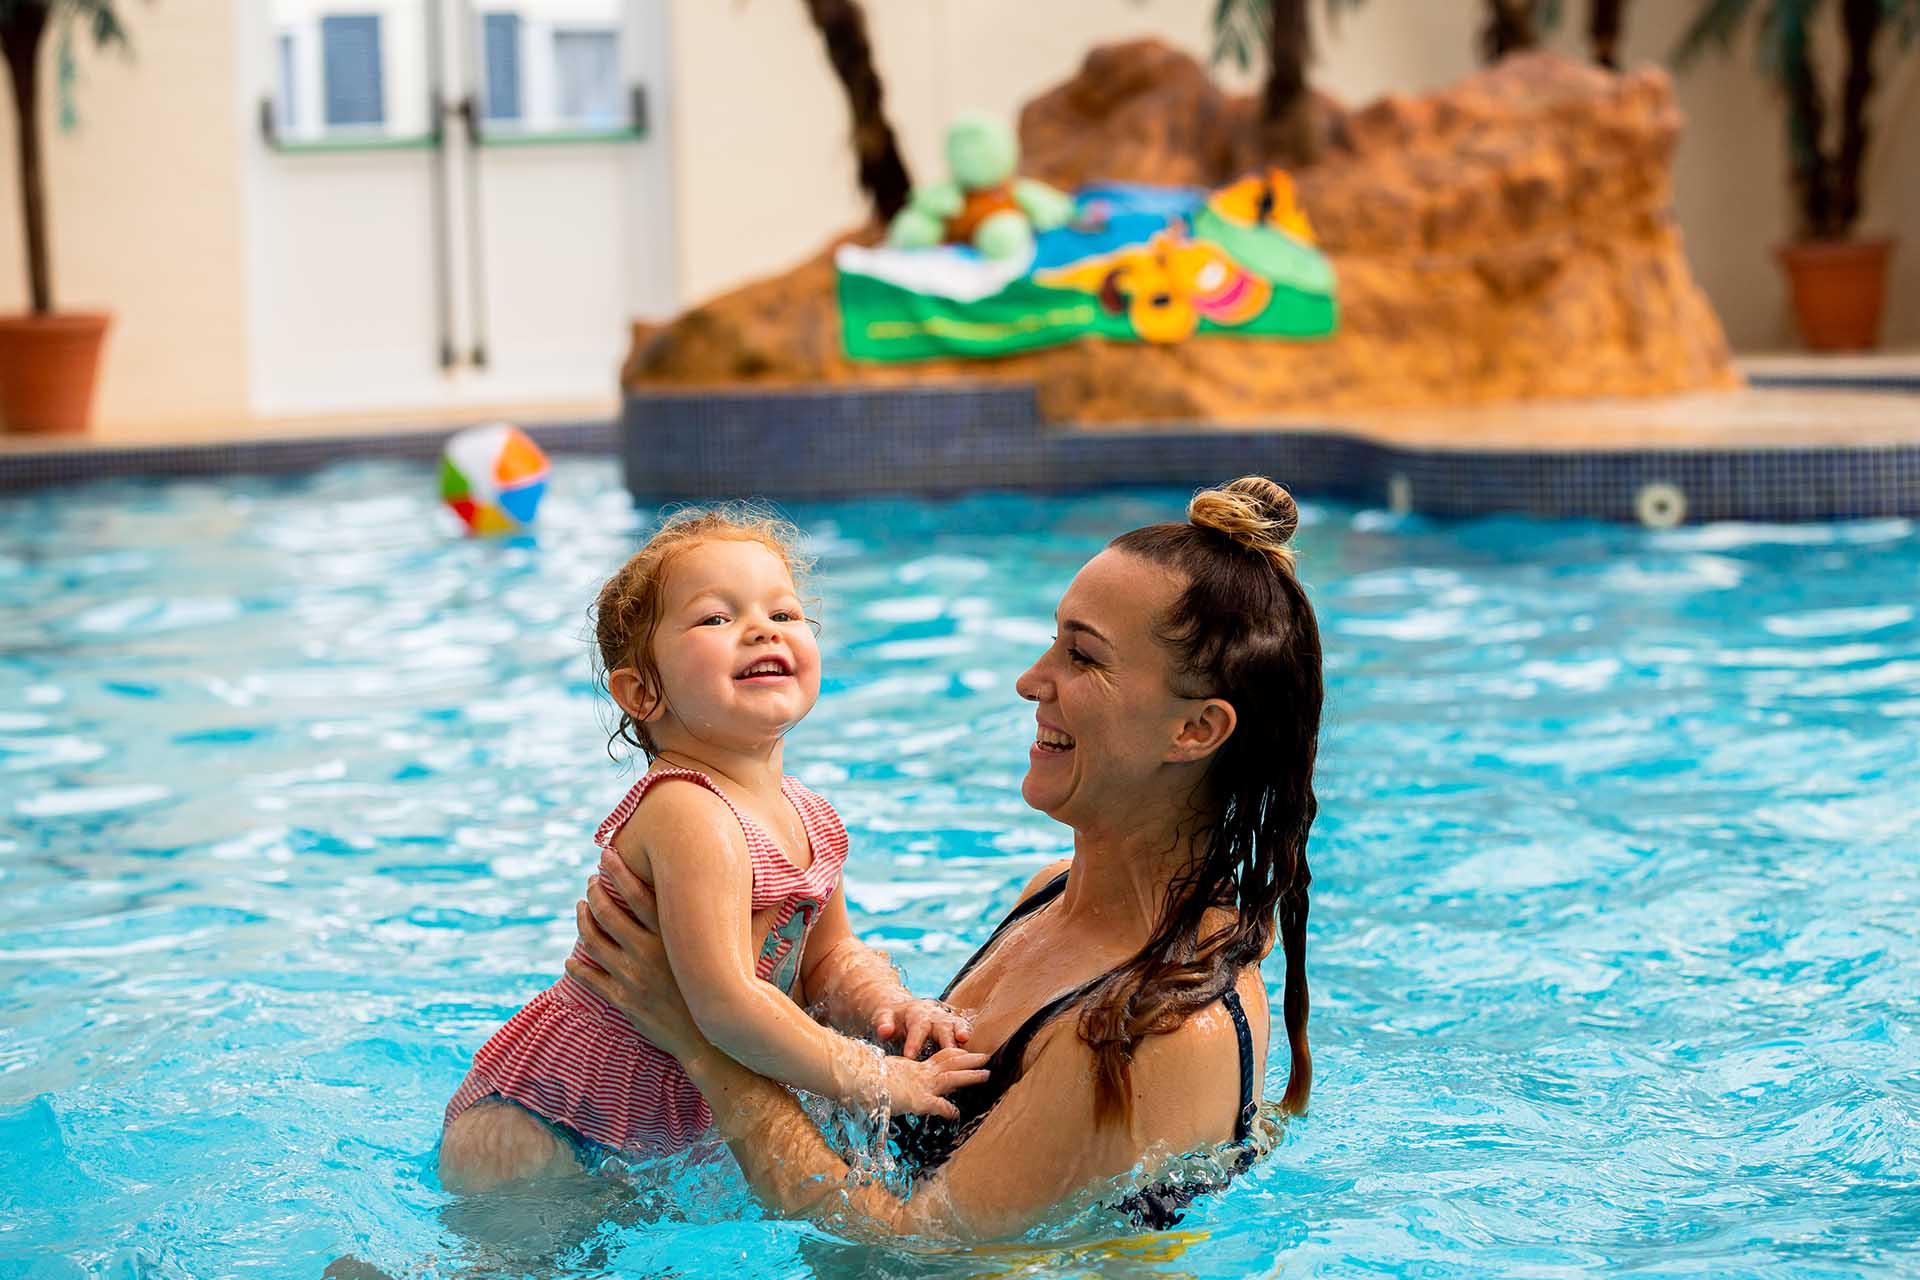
(633, 974)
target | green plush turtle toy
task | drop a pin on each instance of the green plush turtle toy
(984, 204)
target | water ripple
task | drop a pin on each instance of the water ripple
(1612, 927)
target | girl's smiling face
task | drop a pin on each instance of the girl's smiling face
(738, 662)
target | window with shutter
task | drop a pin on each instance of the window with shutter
(289, 100)
(502, 38)
(587, 76)
(350, 45)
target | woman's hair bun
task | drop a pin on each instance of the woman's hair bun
(1255, 512)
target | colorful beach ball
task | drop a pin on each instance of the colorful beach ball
(493, 477)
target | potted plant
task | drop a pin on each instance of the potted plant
(1838, 282)
(48, 359)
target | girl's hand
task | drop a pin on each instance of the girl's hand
(919, 1088)
(634, 976)
(915, 1022)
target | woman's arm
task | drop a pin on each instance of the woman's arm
(1036, 1151)
(1039, 1148)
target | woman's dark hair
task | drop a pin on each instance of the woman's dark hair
(1241, 631)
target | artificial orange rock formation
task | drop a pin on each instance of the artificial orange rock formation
(1508, 238)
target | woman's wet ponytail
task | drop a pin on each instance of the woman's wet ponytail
(1242, 631)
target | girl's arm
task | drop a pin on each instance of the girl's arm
(862, 991)
(1040, 1148)
(703, 881)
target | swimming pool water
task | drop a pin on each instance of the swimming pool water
(1613, 944)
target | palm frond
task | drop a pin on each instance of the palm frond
(1241, 27)
(1904, 17)
(1717, 23)
(1335, 8)
(1240, 30)
(1786, 36)
(103, 17)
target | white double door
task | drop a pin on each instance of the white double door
(451, 202)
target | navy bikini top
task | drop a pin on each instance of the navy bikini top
(926, 1142)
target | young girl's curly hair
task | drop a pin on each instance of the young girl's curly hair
(626, 614)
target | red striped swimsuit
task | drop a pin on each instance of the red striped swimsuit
(573, 1058)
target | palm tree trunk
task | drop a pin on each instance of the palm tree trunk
(1806, 119)
(1286, 104)
(1863, 20)
(20, 41)
(1509, 29)
(883, 174)
(1606, 19)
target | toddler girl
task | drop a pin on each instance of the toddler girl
(710, 659)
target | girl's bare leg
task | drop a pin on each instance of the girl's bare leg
(495, 1142)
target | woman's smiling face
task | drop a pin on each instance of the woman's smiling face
(1108, 716)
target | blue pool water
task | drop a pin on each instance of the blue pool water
(1614, 920)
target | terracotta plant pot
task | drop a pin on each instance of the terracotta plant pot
(47, 368)
(1838, 288)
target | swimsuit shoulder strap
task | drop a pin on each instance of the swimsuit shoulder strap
(1037, 899)
(1007, 1060)
(1243, 1032)
(1005, 1064)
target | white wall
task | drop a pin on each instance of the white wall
(144, 202)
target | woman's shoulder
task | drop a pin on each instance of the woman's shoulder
(1042, 878)
(1185, 1096)
(1186, 1082)
(1208, 1038)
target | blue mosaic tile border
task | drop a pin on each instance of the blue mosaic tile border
(824, 442)
(833, 442)
(1891, 383)
(40, 469)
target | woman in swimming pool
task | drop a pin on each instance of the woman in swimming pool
(1121, 1001)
